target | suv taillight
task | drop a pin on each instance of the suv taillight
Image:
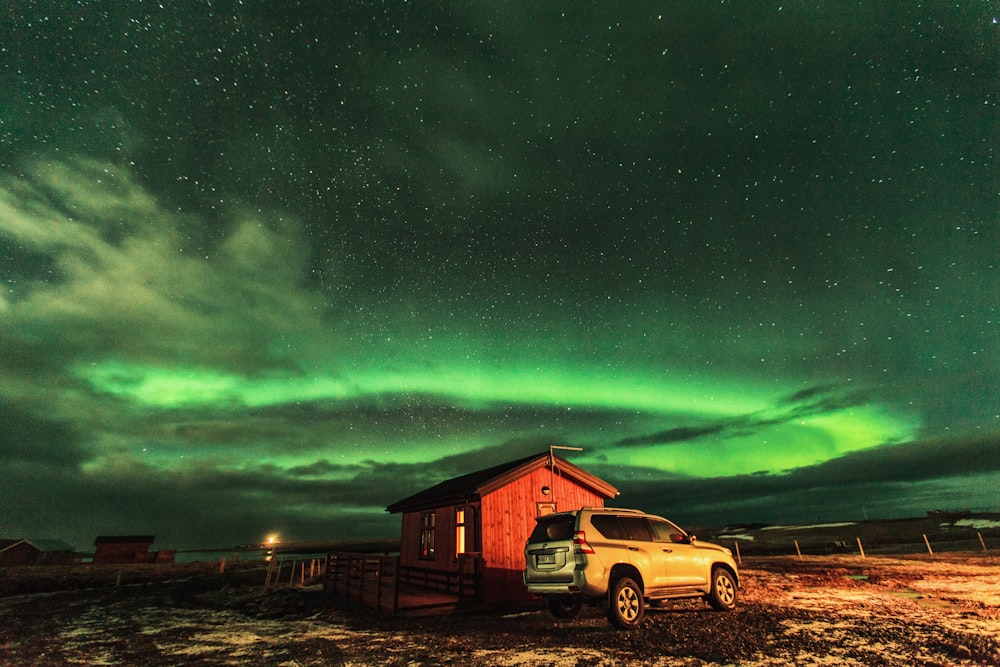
(580, 545)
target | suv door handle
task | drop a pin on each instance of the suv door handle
(631, 548)
(668, 551)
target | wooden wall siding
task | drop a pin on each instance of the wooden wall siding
(20, 553)
(126, 552)
(409, 538)
(444, 540)
(508, 518)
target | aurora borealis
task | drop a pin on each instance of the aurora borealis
(272, 269)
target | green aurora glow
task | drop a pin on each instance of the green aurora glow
(273, 269)
(786, 443)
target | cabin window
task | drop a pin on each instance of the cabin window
(459, 531)
(427, 535)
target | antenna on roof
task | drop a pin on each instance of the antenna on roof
(552, 458)
(552, 468)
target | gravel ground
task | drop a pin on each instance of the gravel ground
(816, 611)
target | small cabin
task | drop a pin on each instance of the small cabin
(36, 552)
(488, 515)
(123, 549)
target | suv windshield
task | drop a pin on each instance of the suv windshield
(553, 528)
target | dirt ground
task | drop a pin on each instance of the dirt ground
(816, 611)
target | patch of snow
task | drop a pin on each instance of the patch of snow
(736, 536)
(815, 525)
(978, 523)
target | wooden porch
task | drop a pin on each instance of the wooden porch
(382, 584)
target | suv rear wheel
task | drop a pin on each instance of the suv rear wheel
(626, 606)
(723, 595)
(565, 606)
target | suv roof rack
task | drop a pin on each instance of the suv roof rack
(613, 509)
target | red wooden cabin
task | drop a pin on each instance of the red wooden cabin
(123, 549)
(489, 514)
(36, 552)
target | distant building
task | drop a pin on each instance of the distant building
(949, 514)
(489, 514)
(123, 549)
(36, 552)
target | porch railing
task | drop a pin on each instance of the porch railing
(383, 584)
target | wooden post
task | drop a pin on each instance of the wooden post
(981, 540)
(270, 569)
(361, 580)
(928, 543)
(395, 584)
(861, 548)
(461, 579)
(738, 558)
(797, 550)
(338, 572)
(222, 565)
(378, 589)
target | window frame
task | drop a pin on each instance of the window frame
(428, 524)
(461, 531)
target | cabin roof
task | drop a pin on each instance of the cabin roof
(476, 484)
(45, 546)
(123, 539)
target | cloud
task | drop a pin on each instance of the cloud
(677, 434)
(813, 401)
(840, 485)
(127, 283)
(25, 437)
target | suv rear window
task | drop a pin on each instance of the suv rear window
(553, 528)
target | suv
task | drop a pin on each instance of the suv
(621, 559)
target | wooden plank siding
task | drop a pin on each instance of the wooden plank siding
(445, 553)
(508, 517)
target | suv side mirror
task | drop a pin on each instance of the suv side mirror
(691, 538)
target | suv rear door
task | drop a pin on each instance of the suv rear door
(644, 552)
(549, 557)
(610, 541)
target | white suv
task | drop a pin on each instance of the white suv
(621, 559)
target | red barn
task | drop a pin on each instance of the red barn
(36, 552)
(490, 513)
(123, 549)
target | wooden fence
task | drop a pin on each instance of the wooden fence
(300, 569)
(382, 584)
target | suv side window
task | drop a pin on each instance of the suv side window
(664, 531)
(608, 526)
(636, 528)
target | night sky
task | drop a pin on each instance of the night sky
(270, 267)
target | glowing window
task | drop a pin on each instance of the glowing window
(459, 531)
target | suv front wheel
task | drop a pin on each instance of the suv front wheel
(723, 595)
(626, 606)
